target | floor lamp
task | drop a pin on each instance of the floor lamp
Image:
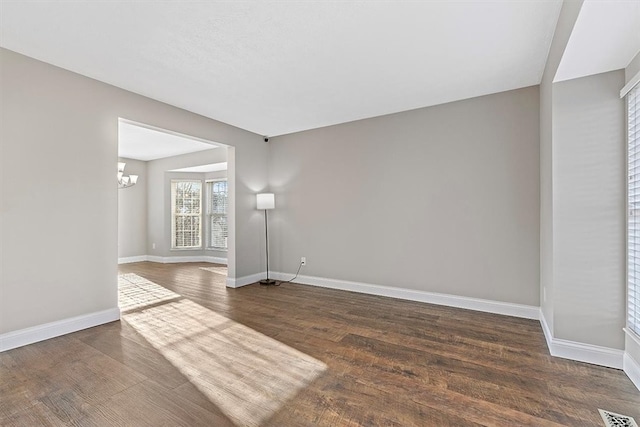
(266, 201)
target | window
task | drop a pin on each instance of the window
(633, 222)
(186, 210)
(217, 214)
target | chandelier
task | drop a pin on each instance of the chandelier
(125, 181)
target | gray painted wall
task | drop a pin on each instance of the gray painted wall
(581, 200)
(216, 175)
(132, 212)
(589, 200)
(442, 199)
(566, 20)
(50, 117)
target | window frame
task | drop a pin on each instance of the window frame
(174, 214)
(632, 312)
(207, 215)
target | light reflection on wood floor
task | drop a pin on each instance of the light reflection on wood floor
(135, 292)
(248, 375)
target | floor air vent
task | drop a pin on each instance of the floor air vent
(611, 419)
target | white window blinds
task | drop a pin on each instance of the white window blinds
(217, 214)
(186, 212)
(633, 226)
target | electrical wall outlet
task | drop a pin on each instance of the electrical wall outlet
(153, 246)
(303, 260)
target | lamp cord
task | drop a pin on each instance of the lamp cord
(266, 238)
(294, 277)
(290, 280)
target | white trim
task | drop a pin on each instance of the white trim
(632, 369)
(632, 83)
(245, 280)
(174, 259)
(588, 353)
(489, 306)
(630, 366)
(173, 185)
(548, 336)
(55, 329)
(214, 144)
(130, 259)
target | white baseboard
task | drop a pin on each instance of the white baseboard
(172, 259)
(245, 280)
(588, 353)
(630, 363)
(632, 369)
(548, 336)
(130, 259)
(497, 307)
(55, 329)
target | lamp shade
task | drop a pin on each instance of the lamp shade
(265, 201)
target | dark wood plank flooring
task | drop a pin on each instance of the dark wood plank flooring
(197, 353)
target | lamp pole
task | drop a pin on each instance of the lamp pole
(266, 201)
(267, 281)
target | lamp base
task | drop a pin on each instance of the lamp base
(267, 282)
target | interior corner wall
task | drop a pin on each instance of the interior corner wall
(564, 27)
(589, 215)
(546, 203)
(132, 212)
(65, 219)
(441, 199)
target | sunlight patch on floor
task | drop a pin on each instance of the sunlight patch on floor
(248, 375)
(135, 292)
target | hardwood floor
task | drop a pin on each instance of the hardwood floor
(190, 352)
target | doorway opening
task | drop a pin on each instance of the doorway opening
(175, 205)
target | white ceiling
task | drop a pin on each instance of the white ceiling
(144, 143)
(276, 67)
(606, 37)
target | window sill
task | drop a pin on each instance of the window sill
(185, 249)
(216, 249)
